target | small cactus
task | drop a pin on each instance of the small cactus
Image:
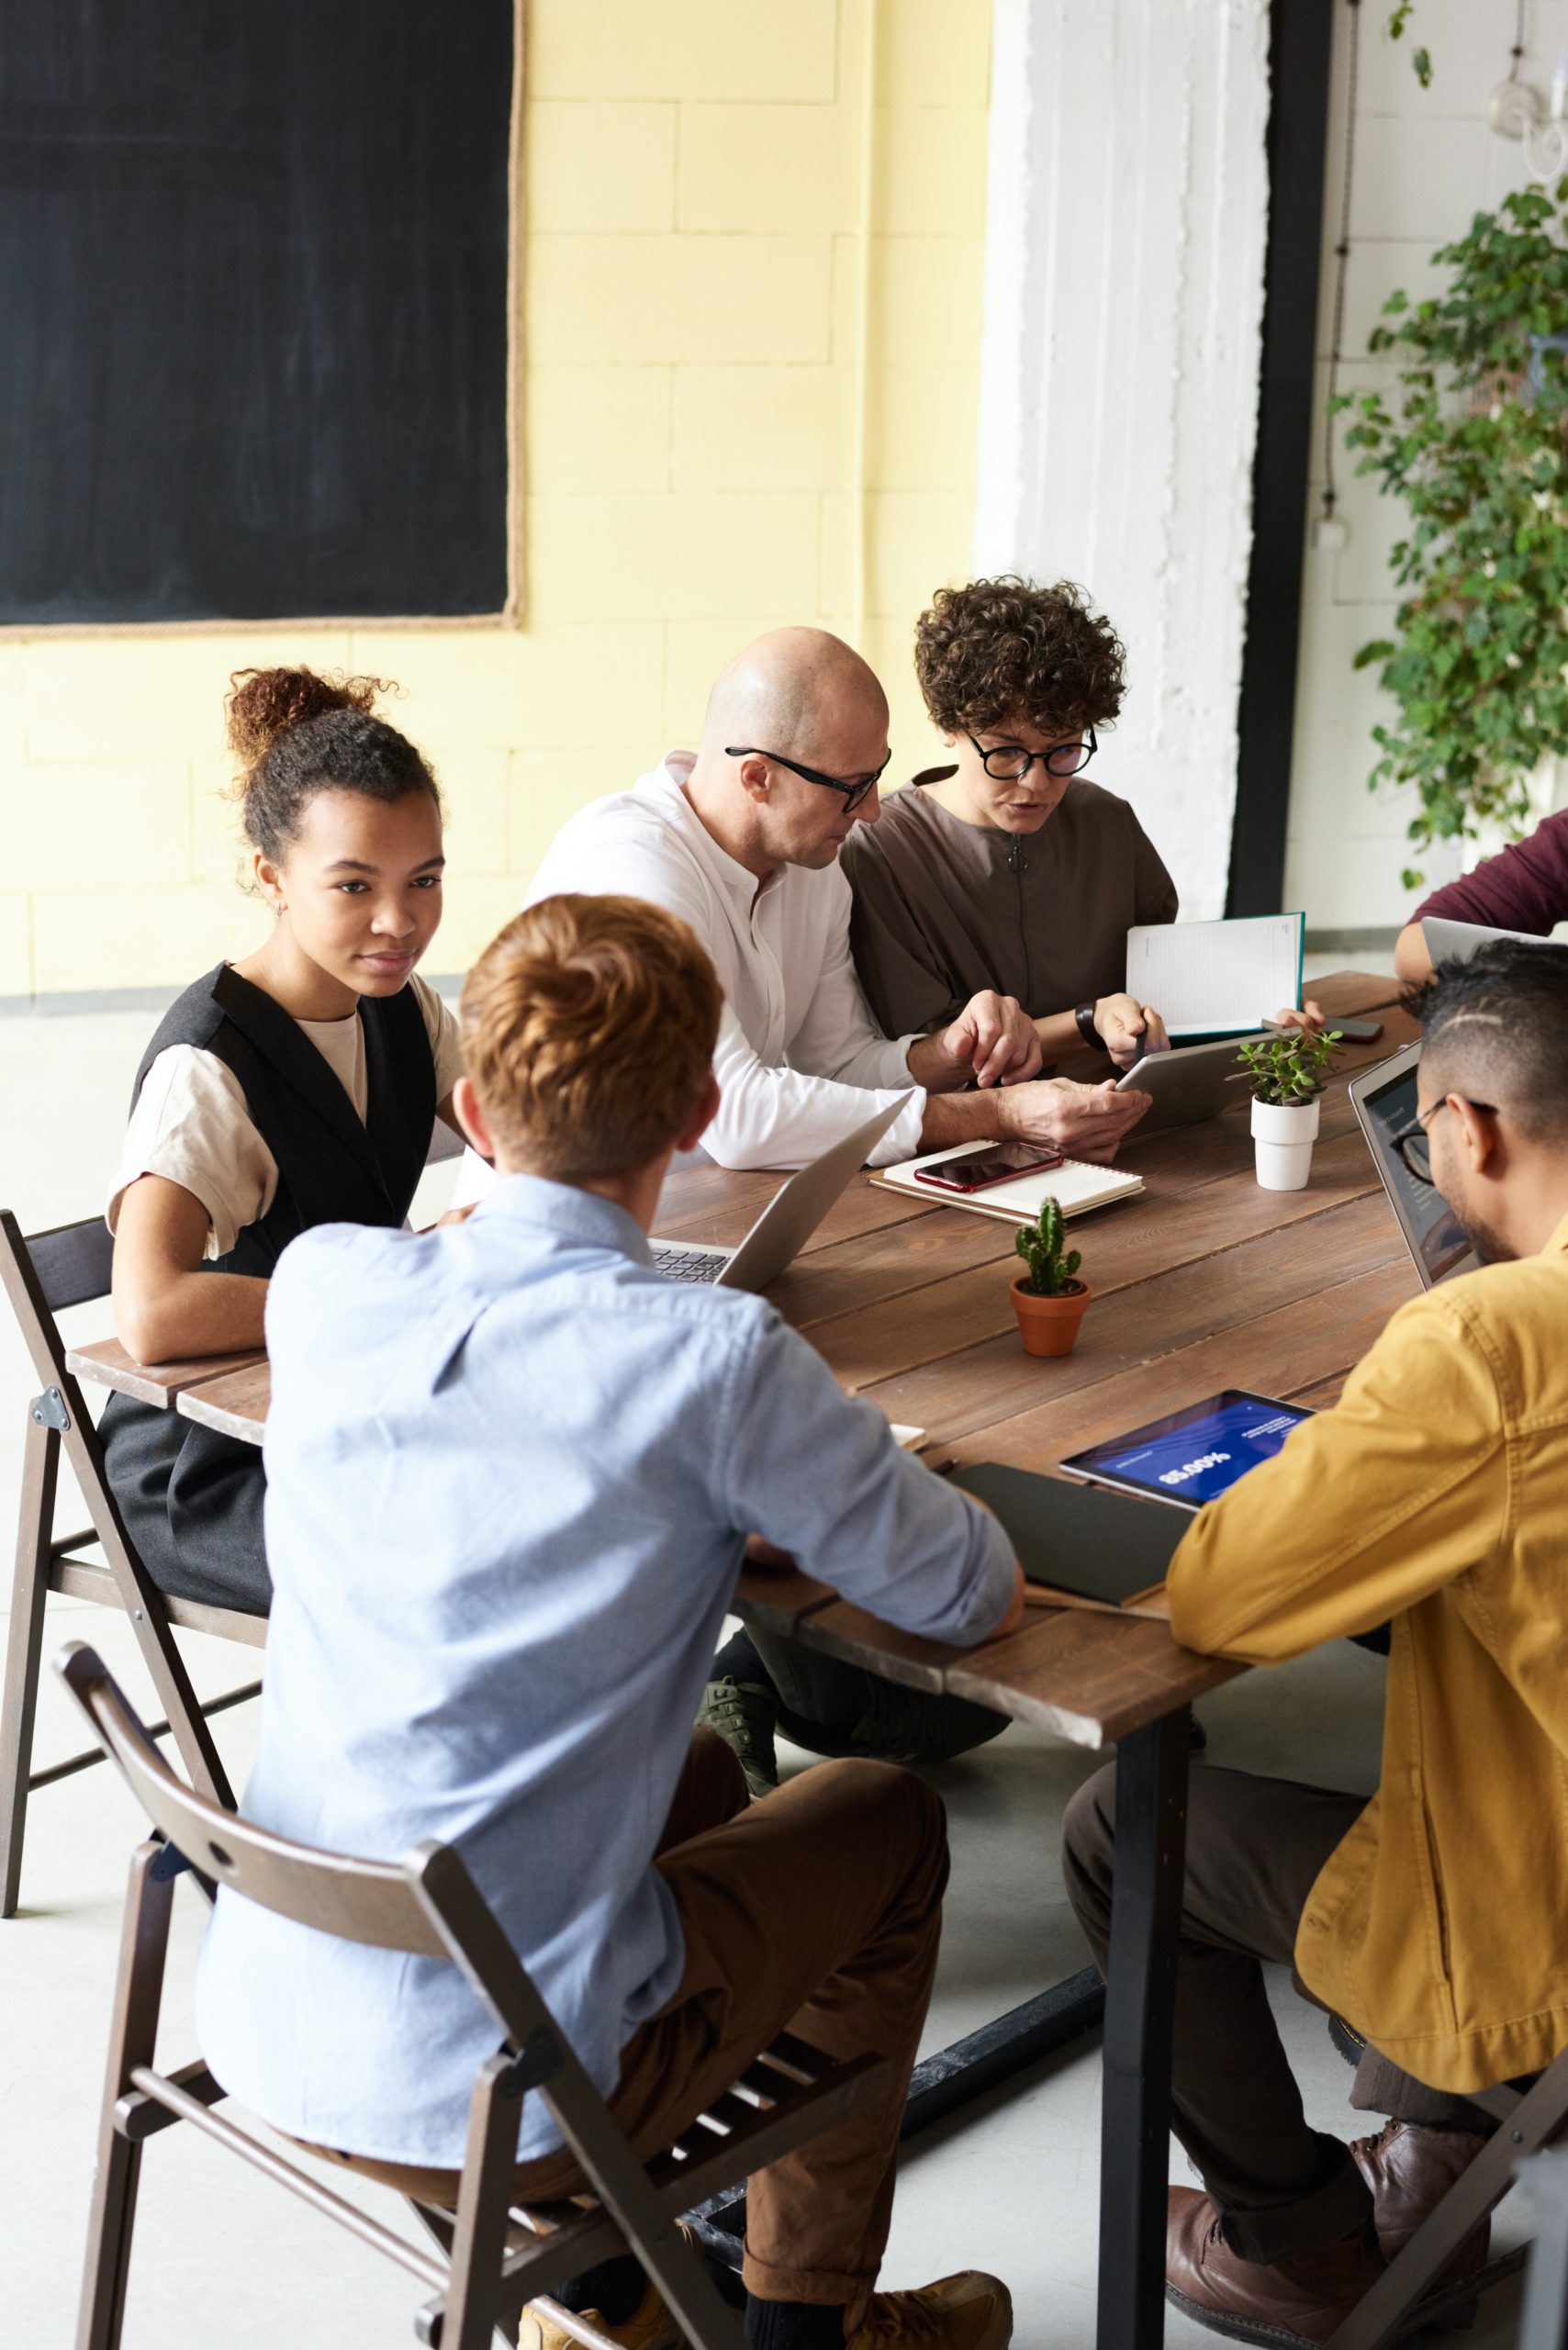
(1039, 1244)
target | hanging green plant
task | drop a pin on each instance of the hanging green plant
(1475, 443)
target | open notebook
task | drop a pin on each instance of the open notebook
(1209, 979)
(1074, 1184)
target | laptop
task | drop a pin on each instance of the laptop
(1190, 1082)
(1385, 1101)
(1456, 942)
(786, 1224)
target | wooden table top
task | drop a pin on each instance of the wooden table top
(1204, 1280)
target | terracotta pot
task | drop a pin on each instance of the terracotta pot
(1049, 1326)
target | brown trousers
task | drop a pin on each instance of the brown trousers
(818, 1911)
(1254, 1850)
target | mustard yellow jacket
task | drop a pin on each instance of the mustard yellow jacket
(1436, 1494)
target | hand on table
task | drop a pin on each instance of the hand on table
(1080, 1120)
(1309, 1016)
(994, 1040)
(1130, 1029)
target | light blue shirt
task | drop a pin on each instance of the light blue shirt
(510, 1470)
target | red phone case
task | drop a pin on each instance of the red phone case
(937, 1181)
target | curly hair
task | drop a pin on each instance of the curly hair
(298, 734)
(588, 1028)
(1001, 650)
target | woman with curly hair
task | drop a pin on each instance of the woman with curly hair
(1008, 869)
(295, 1087)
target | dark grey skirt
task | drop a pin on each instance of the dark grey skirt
(191, 1499)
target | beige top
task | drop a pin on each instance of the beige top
(192, 1125)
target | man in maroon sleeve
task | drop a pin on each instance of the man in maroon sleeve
(1525, 887)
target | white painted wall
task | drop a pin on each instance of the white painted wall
(1126, 218)
(1424, 161)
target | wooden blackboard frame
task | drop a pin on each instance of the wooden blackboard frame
(511, 612)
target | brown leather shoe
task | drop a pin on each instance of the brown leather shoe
(1284, 2301)
(1410, 2170)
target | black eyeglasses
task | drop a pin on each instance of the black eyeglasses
(852, 794)
(1009, 762)
(1414, 1145)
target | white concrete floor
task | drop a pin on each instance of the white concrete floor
(225, 2258)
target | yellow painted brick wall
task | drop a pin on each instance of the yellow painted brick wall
(694, 179)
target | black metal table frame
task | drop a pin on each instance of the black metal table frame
(1137, 2008)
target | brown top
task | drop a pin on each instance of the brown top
(944, 908)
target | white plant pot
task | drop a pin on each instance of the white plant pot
(1283, 1140)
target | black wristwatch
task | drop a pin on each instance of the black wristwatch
(1084, 1016)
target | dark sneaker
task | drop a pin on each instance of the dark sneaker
(1302, 2299)
(744, 1714)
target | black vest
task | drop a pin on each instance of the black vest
(330, 1168)
(191, 1496)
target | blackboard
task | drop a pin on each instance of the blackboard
(253, 308)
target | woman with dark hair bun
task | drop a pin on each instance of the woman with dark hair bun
(295, 1087)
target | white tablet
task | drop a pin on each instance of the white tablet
(1456, 942)
(1190, 1082)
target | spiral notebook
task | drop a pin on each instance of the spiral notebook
(1074, 1184)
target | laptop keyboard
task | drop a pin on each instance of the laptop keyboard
(689, 1264)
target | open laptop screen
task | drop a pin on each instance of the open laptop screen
(1386, 1104)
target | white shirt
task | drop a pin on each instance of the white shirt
(799, 1059)
(193, 1126)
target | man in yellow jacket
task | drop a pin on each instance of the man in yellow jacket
(1434, 1918)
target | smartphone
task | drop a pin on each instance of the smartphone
(985, 1167)
(1353, 1028)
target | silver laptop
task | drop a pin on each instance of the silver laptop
(1190, 1082)
(1384, 1102)
(1456, 942)
(786, 1224)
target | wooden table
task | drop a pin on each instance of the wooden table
(1204, 1280)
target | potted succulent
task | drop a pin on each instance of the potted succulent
(1048, 1298)
(1287, 1072)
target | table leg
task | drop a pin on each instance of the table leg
(1135, 2160)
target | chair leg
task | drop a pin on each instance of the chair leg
(29, 1588)
(132, 2035)
(144, 1607)
(479, 2237)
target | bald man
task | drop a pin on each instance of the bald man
(741, 839)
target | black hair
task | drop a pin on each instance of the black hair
(1506, 1010)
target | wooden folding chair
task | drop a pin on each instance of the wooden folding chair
(1532, 2115)
(42, 1275)
(491, 2261)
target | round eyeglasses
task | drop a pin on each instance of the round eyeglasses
(852, 794)
(1009, 762)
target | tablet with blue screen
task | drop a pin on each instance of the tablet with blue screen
(1196, 1454)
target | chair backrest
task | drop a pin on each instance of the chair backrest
(356, 1900)
(71, 1263)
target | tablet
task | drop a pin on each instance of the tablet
(1190, 1082)
(1196, 1454)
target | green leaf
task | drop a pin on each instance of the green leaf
(1421, 60)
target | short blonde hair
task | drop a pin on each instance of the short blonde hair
(588, 1028)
